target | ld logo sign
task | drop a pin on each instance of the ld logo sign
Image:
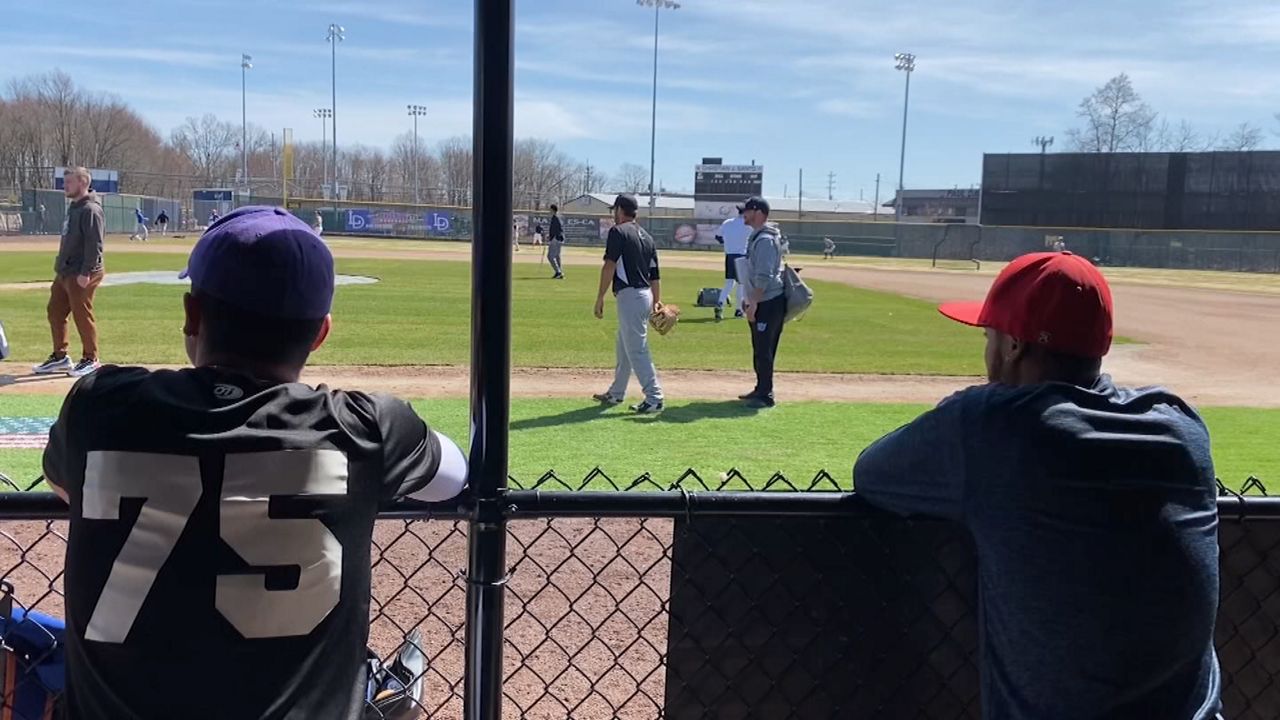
(357, 220)
(439, 222)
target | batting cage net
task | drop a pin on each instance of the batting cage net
(629, 600)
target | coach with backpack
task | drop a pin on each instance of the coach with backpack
(766, 303)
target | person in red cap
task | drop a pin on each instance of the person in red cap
(1093, 509)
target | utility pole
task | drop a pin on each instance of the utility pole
(800, 207)
(416, 111)
(906, 63)
(1044, 143)
(246, 62)
(337, 34)
(831, 185)
(658, 6)
(324, 114)
(875, 210)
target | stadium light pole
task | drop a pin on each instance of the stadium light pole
(416, 111)
(658, 6)
(337, 34)
(906, 63)
(324, 114)
(246, 63)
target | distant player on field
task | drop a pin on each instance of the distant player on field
(555, 244)
(828, 248)
(140, 231)
(162, 221)
(317, 223)
(218, 557)
(733, 235)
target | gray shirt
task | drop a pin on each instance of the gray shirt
(80, 252)
(1094, 515)
(765, 259)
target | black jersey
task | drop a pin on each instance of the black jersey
(218, 557)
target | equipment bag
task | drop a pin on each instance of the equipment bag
(708, 297)
(799, 295)
(33, 666)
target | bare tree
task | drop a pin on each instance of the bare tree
(1182, 137)
(456, 170)
(207, 143)
(1244, 137)
(63, 101)
(404, 157)
(1115, 119)
(540, 170)
(631, 178)
(588, 179)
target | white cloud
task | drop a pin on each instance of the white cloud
(382, 11)
(167, 56)
(849, 108)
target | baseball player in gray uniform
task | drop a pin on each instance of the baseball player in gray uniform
(631, 270)
(555, 241)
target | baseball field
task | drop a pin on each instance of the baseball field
(871, 354)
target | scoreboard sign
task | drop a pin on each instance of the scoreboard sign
(721, 186)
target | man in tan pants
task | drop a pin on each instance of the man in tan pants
(78, 272)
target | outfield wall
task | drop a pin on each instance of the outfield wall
(1182, 249)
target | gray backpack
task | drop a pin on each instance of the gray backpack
(799, 296)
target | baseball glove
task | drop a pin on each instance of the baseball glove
(664, 318)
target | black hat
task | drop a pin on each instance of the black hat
(627, 202)
(755, 203)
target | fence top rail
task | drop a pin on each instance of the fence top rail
(534, 504)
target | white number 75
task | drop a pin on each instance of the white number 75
(170, 488)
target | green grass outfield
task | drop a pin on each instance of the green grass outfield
(419, 314)
(711, 437)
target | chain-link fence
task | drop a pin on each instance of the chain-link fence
(690, 601)
(43, 212)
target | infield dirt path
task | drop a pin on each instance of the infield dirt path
(1214, 347)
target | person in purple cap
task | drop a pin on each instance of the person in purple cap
(221, 515)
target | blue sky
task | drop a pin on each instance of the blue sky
(789, 83)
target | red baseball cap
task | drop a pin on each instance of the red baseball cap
(1056, 299)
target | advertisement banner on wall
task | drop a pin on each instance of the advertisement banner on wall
(576, 229)
(434, 223)
(695, 234)
(448, 224)
(709, 210)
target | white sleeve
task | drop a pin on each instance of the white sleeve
(451, 475)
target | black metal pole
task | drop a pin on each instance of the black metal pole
(492, 130)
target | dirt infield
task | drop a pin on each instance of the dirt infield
(1213, 346)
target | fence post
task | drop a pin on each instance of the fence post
(492, 133)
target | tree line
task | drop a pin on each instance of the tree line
(48, 120)
(1115, 118)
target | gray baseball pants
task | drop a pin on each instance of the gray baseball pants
(634, 307)
(553, 255)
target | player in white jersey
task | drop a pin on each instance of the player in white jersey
(733, 234)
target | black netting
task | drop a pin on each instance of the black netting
(692, 615)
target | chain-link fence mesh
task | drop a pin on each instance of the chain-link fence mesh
(646, 617)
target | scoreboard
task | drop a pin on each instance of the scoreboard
(717, 188)
(715, 182)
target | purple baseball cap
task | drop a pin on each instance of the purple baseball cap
(264, 260)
